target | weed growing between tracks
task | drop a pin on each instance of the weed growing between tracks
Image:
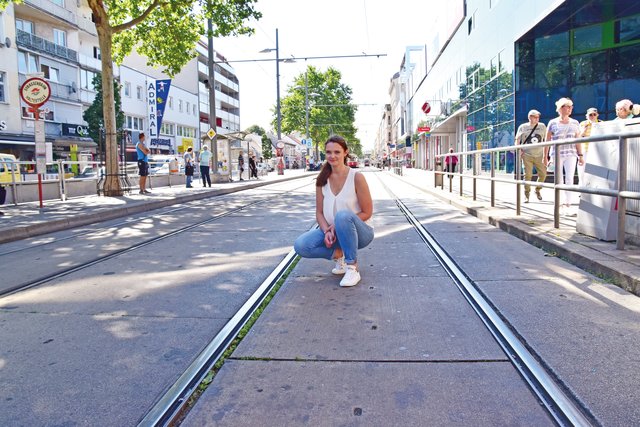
(243, 332)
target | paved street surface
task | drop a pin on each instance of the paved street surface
(99, 347)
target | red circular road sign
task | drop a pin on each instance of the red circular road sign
(35, 91)
(426, 108)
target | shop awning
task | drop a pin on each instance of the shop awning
(448, 126)
(66, 142)
(10, 142)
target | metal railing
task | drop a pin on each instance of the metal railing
(621, 193)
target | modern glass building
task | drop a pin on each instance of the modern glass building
(492, 61)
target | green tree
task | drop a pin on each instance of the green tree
(331, 110)
(267, 147)
(166, 32)
(93, 115)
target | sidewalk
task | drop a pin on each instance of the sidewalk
(535, 226)
(29, 220)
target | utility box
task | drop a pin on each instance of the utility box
(438, 176)
(598, 215)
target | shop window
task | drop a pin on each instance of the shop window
(587, 38)
(552, 46)
(627, 29)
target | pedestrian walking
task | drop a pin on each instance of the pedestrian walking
(343, 207)
(253, 167)
(189, 167)
(205, 159)
(240, 165)
(563, 127)
(529, 134)
(450, 162)
(142, 152)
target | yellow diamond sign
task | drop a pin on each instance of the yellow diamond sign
(211, 133)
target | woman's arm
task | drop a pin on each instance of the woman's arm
(364, 197)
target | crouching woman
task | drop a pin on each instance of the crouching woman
(343, 207)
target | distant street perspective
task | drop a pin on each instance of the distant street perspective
(287, 213)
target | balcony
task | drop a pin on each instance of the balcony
(53, 9)
(38, 44)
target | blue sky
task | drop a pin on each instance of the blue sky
(328, 28)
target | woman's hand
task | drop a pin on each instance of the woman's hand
(329, 237)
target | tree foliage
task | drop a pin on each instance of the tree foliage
(330, 108)
(93, 115)
(267, 147)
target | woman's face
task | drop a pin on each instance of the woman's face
(335, 153)
(622, 112)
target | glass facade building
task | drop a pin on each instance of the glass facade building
(506, 57)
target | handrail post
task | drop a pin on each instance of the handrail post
(557, 176)
(518, 171)
(622, 186)
(461, 163)
(14, 190)
(493, 175)
(61, 188)
(475, 180)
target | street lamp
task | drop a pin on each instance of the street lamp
(277, 83)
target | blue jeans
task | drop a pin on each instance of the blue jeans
(189, 180)
(352, 234)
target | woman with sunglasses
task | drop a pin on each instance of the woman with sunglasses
(585, 131)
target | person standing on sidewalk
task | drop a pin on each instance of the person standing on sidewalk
(343, 205)
(585, 132)
(189, 166)
(205, 159)
(531, 133)
(450, 162)
(564, 127)
(253, 168)
(143, 162)
(240, 165)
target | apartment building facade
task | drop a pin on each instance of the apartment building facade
(57, 39)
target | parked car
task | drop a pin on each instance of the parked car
(352, 163)
(8, 168)
(91, 172)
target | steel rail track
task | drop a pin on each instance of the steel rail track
(562, 407)
(170, 405)
(40, 281)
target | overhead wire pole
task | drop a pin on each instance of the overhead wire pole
(213, 121)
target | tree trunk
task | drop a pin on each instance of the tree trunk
(112, 186)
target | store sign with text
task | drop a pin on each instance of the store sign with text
(157, 95)
(69, 129)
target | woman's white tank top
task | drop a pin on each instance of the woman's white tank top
(346, 199)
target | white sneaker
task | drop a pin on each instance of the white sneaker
(340, 266)
(351, 277)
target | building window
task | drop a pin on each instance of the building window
(96, 52)
(3, 79)
(59, 37)
(127, 89)
(180, 105)
(59, 2)
(139, 92)
(44, 114)
(626, 29)
(86, 79)
(134, 123)
(188, 108)
(27, 63)
(50, 73)
(26, 26)
(171, 102)
(587, 38)
(167, 129)
(186, 131)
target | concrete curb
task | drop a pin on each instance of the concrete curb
(136, 207)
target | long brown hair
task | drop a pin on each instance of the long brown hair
(326, 170)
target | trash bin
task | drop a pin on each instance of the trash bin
(438, 176)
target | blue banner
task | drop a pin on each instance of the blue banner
(162, 94)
